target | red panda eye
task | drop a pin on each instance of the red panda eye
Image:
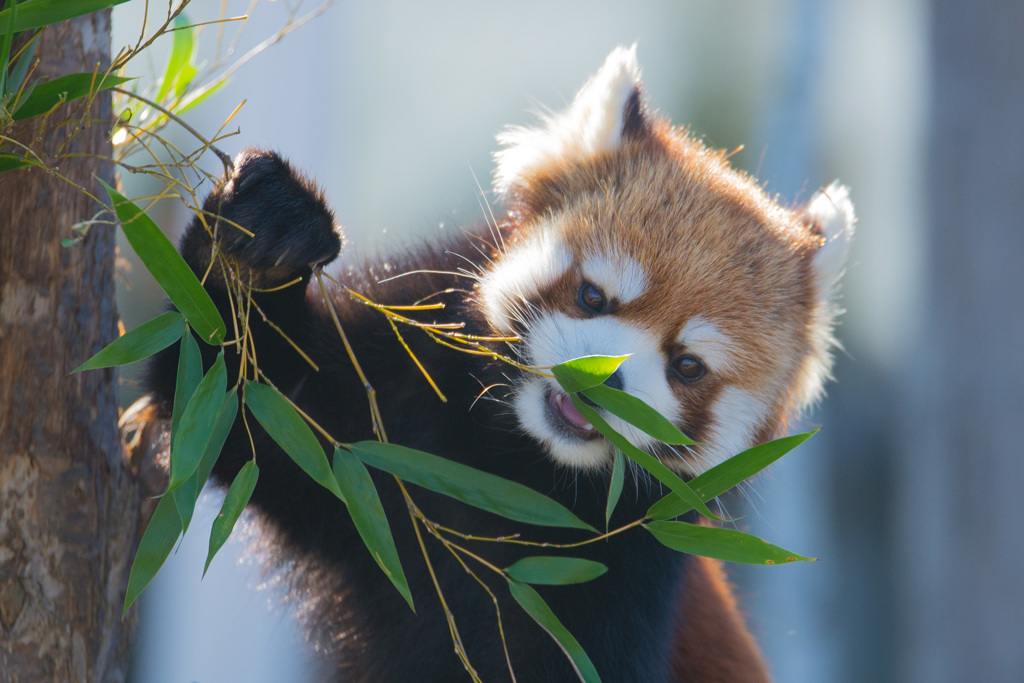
(689, 368)
(591, 298)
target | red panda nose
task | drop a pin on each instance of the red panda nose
(615, 382)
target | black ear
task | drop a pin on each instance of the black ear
(635, 121)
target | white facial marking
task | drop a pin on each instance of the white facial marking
(554, 338)
(619, 277)
(737, 415)
(706, 341)
(520, 274)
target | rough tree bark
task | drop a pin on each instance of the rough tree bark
(69, 508)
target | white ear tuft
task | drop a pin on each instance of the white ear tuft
(593, 123)
(831, 211)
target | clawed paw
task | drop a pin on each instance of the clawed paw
(293, 230)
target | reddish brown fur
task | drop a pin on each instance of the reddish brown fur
(710, 621)
(713, 243)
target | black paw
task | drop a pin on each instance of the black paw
(292, 227)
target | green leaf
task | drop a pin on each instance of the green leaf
(637, 413)
(46, 96)
(169, 269)
(157, 542)
(291, 433)
(189, 375)
(585, 372)
(188, 444)
(530, 600)
(724, 476)
(36, 13)
(6, 38)
(185, 496)
(9, 162)
(20, 68)
(555, 571)
(615, 485)
(181, 55)
(722, 544)
(184, 79)
(642, 458)
(237, 498)
(368, 515)
(199, 96)
(142, 342)
(471, 486)
(225, 420)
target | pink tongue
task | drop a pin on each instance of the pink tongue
(570, 413)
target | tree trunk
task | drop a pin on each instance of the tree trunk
(69, 508)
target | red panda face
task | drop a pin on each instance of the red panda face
(632, 238)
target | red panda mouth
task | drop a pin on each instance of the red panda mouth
(566, 418)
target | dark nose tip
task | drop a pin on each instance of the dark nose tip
(615, 381)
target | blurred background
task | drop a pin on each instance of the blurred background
(912, 493)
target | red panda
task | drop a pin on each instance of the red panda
(620, 234)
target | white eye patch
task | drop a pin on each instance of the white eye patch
(715, 348)
(524, 271)
(619, 277)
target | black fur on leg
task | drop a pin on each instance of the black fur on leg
(292, 226)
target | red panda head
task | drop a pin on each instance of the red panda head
(631, 237)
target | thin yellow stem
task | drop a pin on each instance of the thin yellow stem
(430, 380)
(224, 158)
(453, 628)
(514, 539)
(371, 393)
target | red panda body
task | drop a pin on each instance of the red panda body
(621, 235)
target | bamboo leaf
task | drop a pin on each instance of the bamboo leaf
(38, 13)
(186, 495)
(644, 459)
(225, 420)
(189, 442)
(6, 38)
(637, 413)
(9, 162)
(181, 54)
(586, 372)
(724, 476)
(169, 269)
(157, 542)
(142, 342)
(368, 516)
(235, 500)
(615, 485)
(45, 96)
(197, 97)
(188, 377)
(721, 544)
(20, 68)
(555, 571)
(291, 433)
(471, 486)
(530, 600)
(184, 80)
